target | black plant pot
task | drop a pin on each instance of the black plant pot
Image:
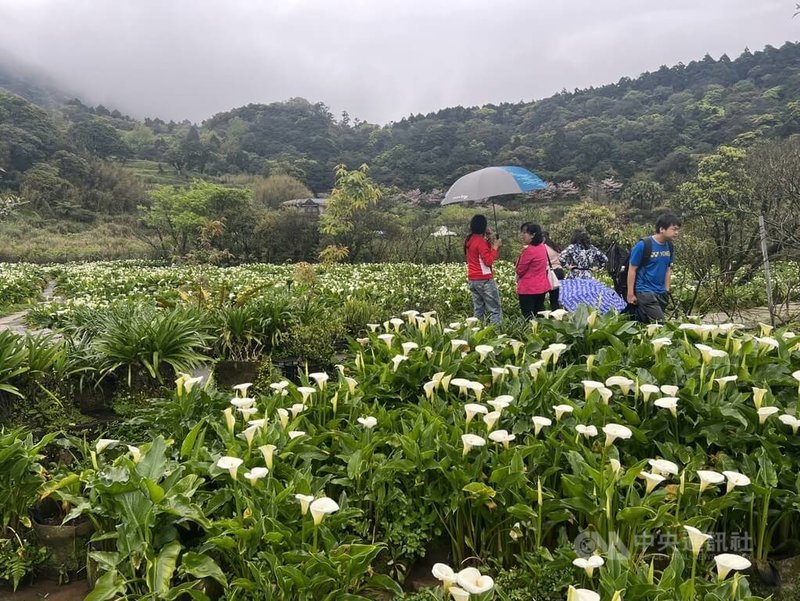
(231, 373)
(66, 543)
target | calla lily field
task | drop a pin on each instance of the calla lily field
(634, 462)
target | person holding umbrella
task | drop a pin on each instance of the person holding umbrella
(531, 268)
(481, 249)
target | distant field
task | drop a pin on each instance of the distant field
(151, 175)
(58, 242)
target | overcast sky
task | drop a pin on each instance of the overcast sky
(380, 60)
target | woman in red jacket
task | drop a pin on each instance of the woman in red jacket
(532, 282)
(481, 255)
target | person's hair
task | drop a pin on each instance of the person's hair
(666, 221)
(550, 243)
(581, 238)
(477, 226)
(535, 230)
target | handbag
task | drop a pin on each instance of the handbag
(551, 275)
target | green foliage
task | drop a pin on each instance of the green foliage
(21, 476)
(354, 193)
(315, 341)
(536, 578)
(600, 221)
(136, 339)
(18, 559)
(270, 192)
(178, 215)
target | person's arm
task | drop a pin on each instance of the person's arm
(601, 258)
(567, 261)
(633, 267)
(489, 253)
(668, 278)
(523, 263)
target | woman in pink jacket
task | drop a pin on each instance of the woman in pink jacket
(532, 282)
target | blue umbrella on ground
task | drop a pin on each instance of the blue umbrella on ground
(493, 181)
(590, 292)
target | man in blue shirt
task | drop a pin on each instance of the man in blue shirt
(649, 274)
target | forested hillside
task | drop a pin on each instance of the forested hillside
(654, 125)
(90, 182)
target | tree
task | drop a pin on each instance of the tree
(99, 138)
(177, 216)
(353, 194)
(270, 192)
(600, 221)
(713, 202)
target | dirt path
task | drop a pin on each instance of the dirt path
(52, 591)
(16, 321)
(783, 314)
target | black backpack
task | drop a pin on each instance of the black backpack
(619, 257)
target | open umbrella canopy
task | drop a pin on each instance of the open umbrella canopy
(493, 181)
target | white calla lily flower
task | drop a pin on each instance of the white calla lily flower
(462, 384)
(470, 441)
(589, 386)
(321, 507)
(621, 381)
(351, 384)
(105, 443)
(697, 539)
(615, 431)
(306, 392)
(445, 574)
(136, 453)
(581, 594)
(758, 396)
(659, 343)
(727, 562)
(472, 581)
(305, 501)
(229, 463)
(458, 594)
(668, 402)
(368, 422)
(588, 564)
(765, 412)
(663, 467)
(502, 437)
(561, 410)
(397, 360)
(283, 417)
(651, 480)
(670, 390)
(457, 344)
(483, 351)
(387, 338)
(709, 478)
(230, 419)
(791, 421)
(490, 419)
(268, 451)
(408, 347)
(501, 402)
(735, 479)
(586, 431)
(647, 390)
(255, 474)
(243, 388)
(540, 422)
(320, 378)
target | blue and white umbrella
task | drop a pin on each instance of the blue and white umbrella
(493, 181)
(589, 292)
